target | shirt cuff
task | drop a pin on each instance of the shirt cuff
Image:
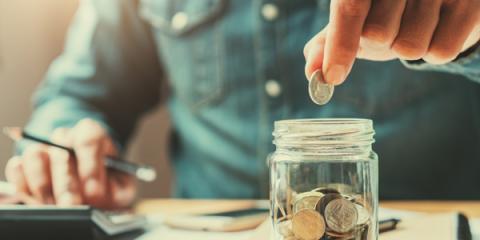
(467, 65)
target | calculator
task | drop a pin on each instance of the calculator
(18, 222)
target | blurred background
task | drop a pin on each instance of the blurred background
(32, 34)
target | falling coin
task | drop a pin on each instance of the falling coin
(320, 92)
(341, 215)
(308, 224)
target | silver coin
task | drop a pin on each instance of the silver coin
(363, 215)
(341, 215)
(340, 236)
(320, 92)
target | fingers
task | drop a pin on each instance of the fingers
(91, 145)
(435, 30)
(474, 37)
(458, 20)
(416, 30)
(66, 186)
(53, 175)
(313, 53)
(37, 173)
(342, 40)
(383, 21)
(14, 174)
(380, 29)
(122, 190)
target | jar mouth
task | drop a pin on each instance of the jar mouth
(322, 121)
(324, 135)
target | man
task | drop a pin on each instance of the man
(234, 67)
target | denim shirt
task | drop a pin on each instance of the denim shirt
(227, 69)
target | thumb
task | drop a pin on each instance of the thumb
(314, 53)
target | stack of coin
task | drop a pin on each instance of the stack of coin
(325, 213)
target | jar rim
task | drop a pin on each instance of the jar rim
(324, 136)
(325, 121)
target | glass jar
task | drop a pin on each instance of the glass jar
(324, 180)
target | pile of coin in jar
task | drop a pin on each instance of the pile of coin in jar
(325, 213)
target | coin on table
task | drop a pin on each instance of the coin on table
(308, 224)
(306, 200)
(320, 92)
(341, 215)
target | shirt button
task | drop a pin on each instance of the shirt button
(179, 21)
(270, 11)
(273, 88)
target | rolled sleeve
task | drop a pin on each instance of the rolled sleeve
(108, 71)
(467, 66)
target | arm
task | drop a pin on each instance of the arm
(109, 71)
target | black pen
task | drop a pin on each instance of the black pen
(142, 172)
(388, 224)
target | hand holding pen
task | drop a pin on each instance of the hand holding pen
(72, 169)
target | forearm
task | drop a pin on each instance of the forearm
(108, 72)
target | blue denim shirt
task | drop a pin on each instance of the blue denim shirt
(231, 71)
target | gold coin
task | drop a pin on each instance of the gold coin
(308, 224)
(306, 200)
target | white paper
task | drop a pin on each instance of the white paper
(475, 228)
(159, 231)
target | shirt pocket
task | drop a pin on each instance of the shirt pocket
(189, 37)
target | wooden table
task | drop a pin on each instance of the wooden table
(175, 206)
(407, 229)
(469, 208)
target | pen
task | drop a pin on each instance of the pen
(388, 224)
(142, 172)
